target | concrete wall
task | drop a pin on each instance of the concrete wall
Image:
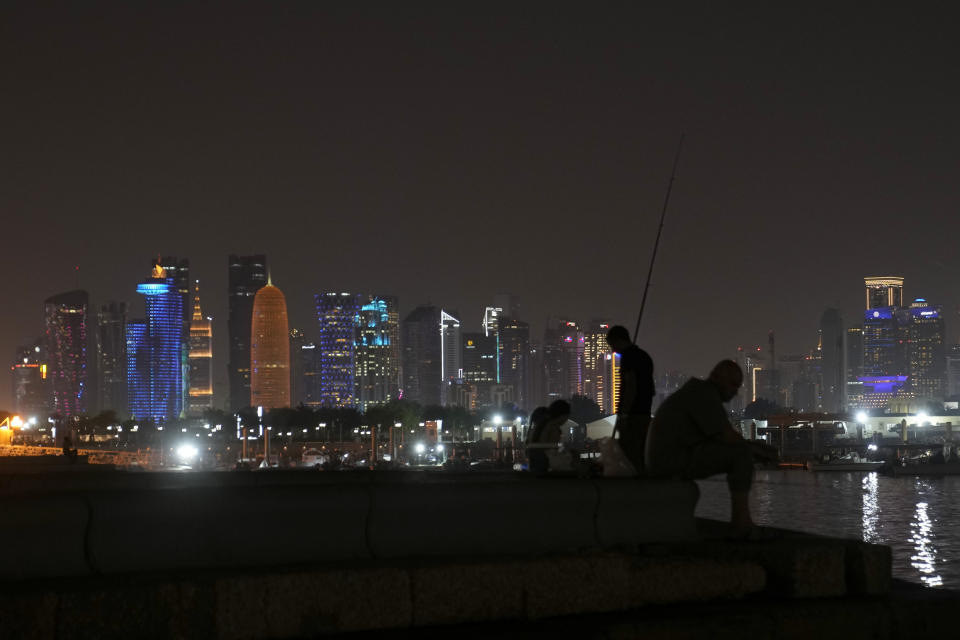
(118, 522)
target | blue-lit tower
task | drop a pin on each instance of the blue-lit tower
(154, 348)
(375, 365)
(338, 317)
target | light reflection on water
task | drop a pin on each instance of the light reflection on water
(914, 516)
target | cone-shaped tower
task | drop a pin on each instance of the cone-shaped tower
(269, 350)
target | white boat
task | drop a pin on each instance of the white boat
(849, 462)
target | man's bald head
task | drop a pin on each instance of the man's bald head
(727, 377)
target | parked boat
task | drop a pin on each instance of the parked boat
(849, 462)
(926, 469)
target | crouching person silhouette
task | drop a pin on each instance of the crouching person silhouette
(691, 437)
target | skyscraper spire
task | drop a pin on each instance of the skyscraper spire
(197, 313)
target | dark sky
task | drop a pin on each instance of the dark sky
(446, 154)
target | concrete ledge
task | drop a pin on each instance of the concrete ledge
(169, 521)
(311, 602)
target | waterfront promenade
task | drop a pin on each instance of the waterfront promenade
(300, 553)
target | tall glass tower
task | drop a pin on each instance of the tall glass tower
(154, 349)
(245, 277)
(65, 324)
(337, 316)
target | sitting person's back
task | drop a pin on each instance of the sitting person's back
(692, 437)
(688, 417)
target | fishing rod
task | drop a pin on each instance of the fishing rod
(656, 243)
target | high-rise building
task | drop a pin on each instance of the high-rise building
(572, 344)
(154, 348)
(375, 367)
(884, 291)
(833, 367)
(297, 369)
(178, 270)
(595, 348)
(112, 357)
(552, 369)
(927, 377)
(29, 381)
(269, 349)
(246, 274)
(953, 371)
(421, 355)
(451, 352)
(310, 361)
(337, 315)
(480, 364)
(491, 329)
(65, 322)
(885, 342)
(854, 366)
(515, 359)
(854, 353)
(610, 376)
(200, 394)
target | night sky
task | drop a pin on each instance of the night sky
(446, 154)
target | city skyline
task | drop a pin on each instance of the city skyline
(443, 165)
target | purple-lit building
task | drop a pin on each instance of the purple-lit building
(65, 336)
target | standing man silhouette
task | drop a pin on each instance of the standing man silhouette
(636, 394)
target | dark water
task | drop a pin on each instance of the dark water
(919, 517)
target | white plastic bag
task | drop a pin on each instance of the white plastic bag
(615, 462)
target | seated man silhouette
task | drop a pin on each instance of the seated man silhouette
(691, 437)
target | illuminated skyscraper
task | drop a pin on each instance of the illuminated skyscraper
(572, 344)
(515, 360)
(178, 270)
(297, 370)
(65, 322)
(885, 291)
(375, 367)
(246, 275)
(421, 355)
(112, 357)
(337, 316)
(269, 350)
(554, 383)
(154, 349)
(480, 364)
(451, 355)
(491, 329)
(928, 357)
(595, 349)
(29, 379)
(200, 396)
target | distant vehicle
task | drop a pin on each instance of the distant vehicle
(312, 458)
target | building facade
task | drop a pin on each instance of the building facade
(154, 352)
(376, 370)
(246, 275)
(29, 371)
(451, 354)
(200, 359)
(337, 316)
(269, 350)
(422, 360)
(927, 351)
(65, 337)
(112, 357)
